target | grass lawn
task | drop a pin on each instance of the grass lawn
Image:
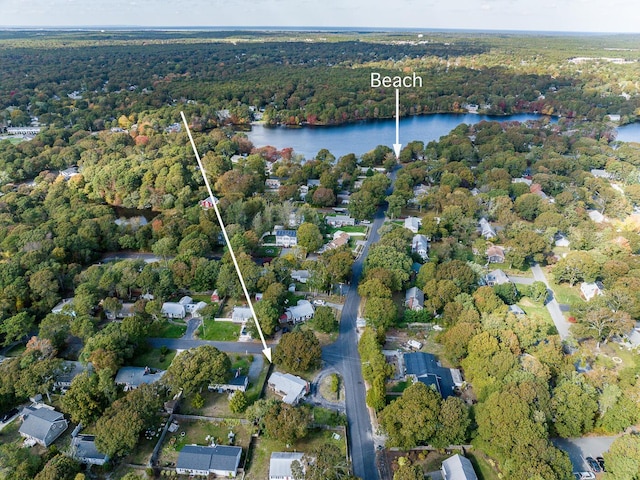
(532, 308)
(506, 268)
(196, 432)
(269, 239)
(164, 329)
(255, 385)
(258, 464)
(202, 298)
(219, 331)
(242, 362)
(564, 293)
(154, 359)
(481, 465)
(267, 251)
(348, 229)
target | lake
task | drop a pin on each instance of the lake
(364, 136)
(629, 133)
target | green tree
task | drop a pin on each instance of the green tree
(453, 423)
(381, 312)
(298, 351)
(238, 402)
(324, 462)
(197, 368)
(84, 402)
(16, 327)
(60, 467)
(622, 460)
(325, 320)
(309, 237)
(412, 419)
(406, 471)
(268, 315)
(18, 463)
(574, 406)
(286, 423)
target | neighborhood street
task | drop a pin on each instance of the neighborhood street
(186, 343)
(580, 448)
(561, 323)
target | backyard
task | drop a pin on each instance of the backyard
(166, 329)
(220, 331)
(159, 358)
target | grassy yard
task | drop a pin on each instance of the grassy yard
(154, 358)
(564, 293)
(532, 308)
(506, 268)
(258, 464)
(164, 329)
(267, 251)
(269, 239)
(202, 298)
(219, 331)
(348, 229)
(481, 465)
(196, 432)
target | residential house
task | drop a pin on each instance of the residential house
(495, 254)
(42, 424)
(237, 383)
(300, 312)
(208, 202)
(220, 460)
(343, 198)
(132, 377)
(458, 468)
(301, 276)
(536, 189)
(339, 239)
(560, 240)
(496, 277)
(516, 310)
(241, 314)
(290, 387)
(596, 216)
(485, 229)
(65, 306)
(68, 371)
(339, 220)
(423, 367)
(590, 290)
(173, 310)
(286, 238)
(313, 183)
(273, 183)
(280, 465)
(412, 223)
(526, 180)
(67, 173)
(414, 299)
(126, 310)
(420, 245)
(84, 450)
(215, 296)
(304, 190)
(195, 309)
(599, 173)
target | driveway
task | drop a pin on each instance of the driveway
(580, 448)
(561, 323)
(186, 343)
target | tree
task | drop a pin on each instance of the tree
(325, 320)
(457, 338)
(406, 471)
(16, 327)
(576, 266)
(574, 407)
(84, 402)
(622, 460)
(18, 463)
(309, 237)
(298, 351)
(268, 315)
(528, 206)
(286, 423)
(324, 462)
(238, 402)
(507, 292)
(197, 368)
(60, 467)
(324, 197)
(602, 324)
(381, 312)
(412, 419)
(453, 423)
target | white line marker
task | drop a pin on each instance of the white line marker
(267, 350)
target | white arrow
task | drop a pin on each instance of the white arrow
(397, 146)
(267, 350)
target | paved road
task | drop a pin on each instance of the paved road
(343, 356)
(186, 343)
(561, 323)
(580, 448)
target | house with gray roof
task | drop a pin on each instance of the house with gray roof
(238, 382)
(420, 245)
(496, 277)
(301, 276)
(301, 312)
(414, 299)
(485, 229)
(42, 424)
(412, 223)
(173, 310)
(241, 314)
(290, 387)
(458, 468)
(84, 450)
(132, 377)
(68, 371)
(220, 460)
(280, 465)
(424, 367)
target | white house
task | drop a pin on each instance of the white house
(420, 245)
(300, 312)
(241, 314)
(280, 465)
(237, 383)
(485, 229)
(286, 238)
(590, 290)
(65, 306)
(173, 310)
(458, 468)
(42, 424)
(68, 371)
(301, 276)
(290, 387)
(496, 277)
(414, 299)
(220, 460)
(339, 220)
(412, 223)
(596, 216)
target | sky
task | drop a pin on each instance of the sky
(530, 15)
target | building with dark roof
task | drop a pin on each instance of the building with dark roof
(83, 449)
(221, 460)
(424, 367)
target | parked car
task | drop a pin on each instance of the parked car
(584, 475)
(319, 302)
(593, 464)
(9, 414)
(600, 461)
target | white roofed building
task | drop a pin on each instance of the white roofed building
(458, 468)
(290, 387)
(280, 465)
